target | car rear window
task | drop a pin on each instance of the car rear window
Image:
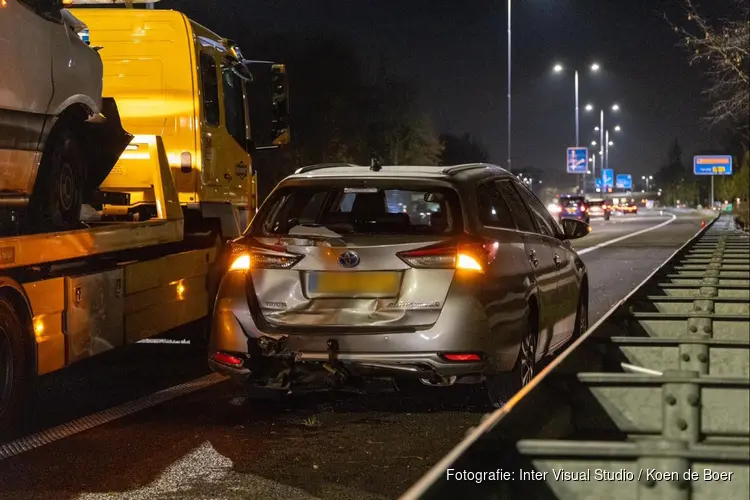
(419, 210)
(571, 202)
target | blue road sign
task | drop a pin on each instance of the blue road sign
(624, 181)
(599, 184)
(712, 165)
(608, 178)
(578, 160)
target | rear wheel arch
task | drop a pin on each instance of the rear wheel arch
(533, 312)
(585, 286)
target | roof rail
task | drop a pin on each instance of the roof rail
(321, 166)
(467, 166)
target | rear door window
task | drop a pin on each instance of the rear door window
(493, 211)
(519, 211)
(546, 225)
(384, 209)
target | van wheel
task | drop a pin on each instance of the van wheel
(13, 365)
(58, 191)
(503, 386)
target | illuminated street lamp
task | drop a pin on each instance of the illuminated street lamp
(648, 180)
(617, 128)
(593, 143)
(603, 150)
(558, 68)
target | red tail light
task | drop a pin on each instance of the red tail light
(227, 359)
(583, 208)
(462, 356)
(472, 256)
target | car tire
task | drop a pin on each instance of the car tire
(582, 317)
(57, 197)
(503, 386)
(14, 375)
(606, 216)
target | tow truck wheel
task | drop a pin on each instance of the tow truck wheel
(13, 366)
(58, 192)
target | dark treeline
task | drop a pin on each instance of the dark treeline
(341, 112)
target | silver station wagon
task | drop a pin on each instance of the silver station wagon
(442, 274)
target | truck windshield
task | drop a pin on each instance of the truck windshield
(357, 210)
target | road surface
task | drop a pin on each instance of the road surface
(213, 443)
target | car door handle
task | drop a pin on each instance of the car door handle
(533, 259)
(557, 259)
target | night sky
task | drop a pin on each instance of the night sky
(456, 53)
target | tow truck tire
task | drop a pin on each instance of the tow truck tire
(56, 201)
(13, 365)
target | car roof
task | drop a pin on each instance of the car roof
(462, 172)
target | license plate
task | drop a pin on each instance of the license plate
(571, 210)
(354, 284)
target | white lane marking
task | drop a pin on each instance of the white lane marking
(73, 427)
(625, 237)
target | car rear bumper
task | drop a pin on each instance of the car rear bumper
(461, 328)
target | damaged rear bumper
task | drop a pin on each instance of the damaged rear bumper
(279, 360)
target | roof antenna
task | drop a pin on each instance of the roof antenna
(375, 164)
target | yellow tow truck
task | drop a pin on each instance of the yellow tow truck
(131, 271)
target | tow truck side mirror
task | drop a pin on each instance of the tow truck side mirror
(268, 104)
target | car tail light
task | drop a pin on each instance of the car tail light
(472, 256)
(227, 359)
(246, 258)
(583, 208)
(460, 356)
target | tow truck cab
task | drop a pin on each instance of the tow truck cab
(175, 78)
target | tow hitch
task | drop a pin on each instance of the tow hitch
(338, 375)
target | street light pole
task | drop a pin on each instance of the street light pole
(577, 135)
(601, 135)
(606, 150)
(509, 135)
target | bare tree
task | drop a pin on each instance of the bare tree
(724, 47)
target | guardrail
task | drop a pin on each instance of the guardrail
(653, 402)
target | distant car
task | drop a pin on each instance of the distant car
(332, 284)
(599, 208)
(629, 208)
(574, 207)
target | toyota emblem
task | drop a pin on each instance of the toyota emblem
(349, 259)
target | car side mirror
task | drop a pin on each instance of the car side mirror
(574, 229)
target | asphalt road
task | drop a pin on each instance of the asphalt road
(214, 443)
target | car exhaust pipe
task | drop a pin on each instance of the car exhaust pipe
(438, 381)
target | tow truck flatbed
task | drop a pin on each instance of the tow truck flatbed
(73, 294)
(108, 237)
